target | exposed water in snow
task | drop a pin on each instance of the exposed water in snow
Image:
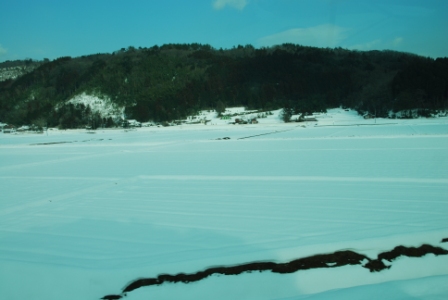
(82, 215)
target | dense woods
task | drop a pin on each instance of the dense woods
(176, 80)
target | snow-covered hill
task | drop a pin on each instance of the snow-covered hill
(103, 105)
(16, 71)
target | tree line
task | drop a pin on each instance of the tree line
(170, 82)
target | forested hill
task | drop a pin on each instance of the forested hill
(172, 81)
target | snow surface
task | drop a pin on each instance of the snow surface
(103, 106)
(82, 215)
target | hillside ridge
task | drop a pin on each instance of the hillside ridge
(174, 81)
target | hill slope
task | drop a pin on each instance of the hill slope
(174, 81)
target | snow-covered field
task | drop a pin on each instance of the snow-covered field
(82, 215)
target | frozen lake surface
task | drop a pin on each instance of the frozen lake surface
(82, 215)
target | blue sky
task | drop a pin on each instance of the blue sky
(52, 28)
